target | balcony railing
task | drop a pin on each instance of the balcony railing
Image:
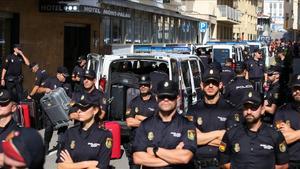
(226, 13)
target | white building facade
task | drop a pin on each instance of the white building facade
(275, 9)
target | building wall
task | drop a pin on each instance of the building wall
(42, 34)
(246, 30)
(275, 9)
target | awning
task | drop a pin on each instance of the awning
(148, 6)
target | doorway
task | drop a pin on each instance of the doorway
(76, 43)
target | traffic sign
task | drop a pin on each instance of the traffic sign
(203, 26)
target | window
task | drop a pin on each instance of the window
(167, 30)
(174, 66)
(195, 72)
(160, 21)
(116, 30)
(107, 30)
(186, 73)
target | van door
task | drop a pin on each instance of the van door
(95, 62)
(196, 79)
(188, 82)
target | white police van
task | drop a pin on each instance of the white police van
(117, 75)
(224, 50)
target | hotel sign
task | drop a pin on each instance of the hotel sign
(77, 7)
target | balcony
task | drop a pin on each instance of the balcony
(227, 14)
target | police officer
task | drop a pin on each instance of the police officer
(24, 148)
(210, 117)
(284, 65)
(165, 140)
(238, 86)
(227, 73)
(287, 120)
(253, 145)
(86, 145)
(7, 124)
(77, 73)
(12, 73)
(140, 108)
(256, 71)
(7, 107)
(91, 92)
(273, 97)
(40, 77)
(50, 84)
(162, 73)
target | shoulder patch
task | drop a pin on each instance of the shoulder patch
(222, 147)
(108, 143)
(150, 136)
(191, 134)
(282, 147)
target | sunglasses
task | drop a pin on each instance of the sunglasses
(171, 98)
(213, 82)
(83, 108)
(88, 78)
(295, 88)
(4, 104)
(146, 85)
(250, 106)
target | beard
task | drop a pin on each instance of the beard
(251, 119)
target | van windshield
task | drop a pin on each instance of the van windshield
(221, 54)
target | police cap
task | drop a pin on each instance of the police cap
(144, 80)
(273, 69)
(25, 145)
(257, 50)
(63, 70)
(167, 88)
(81, 58)
(85, 102)
(211, 74)
(89, 73)
(296, 80)
(18, 46)
(5, 96)
(253, 98)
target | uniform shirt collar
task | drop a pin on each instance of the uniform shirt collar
(85, 133)
(249, 132)
(160, 119)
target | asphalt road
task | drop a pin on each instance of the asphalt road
(50, 159)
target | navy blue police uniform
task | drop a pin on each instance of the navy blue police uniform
(94, 95)
(78, 71)
(227, 74)
(290, 114)
(246, 149)
(154, 132)
(235, 89)
(14, 77)
(243, 148)
(53, 83)
(256, 70)
(138, 106)
(5, 98)
(95, 143)
(274, 95)
(207, 118)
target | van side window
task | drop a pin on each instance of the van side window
(196, 73)
(174, 70)
(186, 73)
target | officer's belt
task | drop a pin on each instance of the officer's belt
(210, 162)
